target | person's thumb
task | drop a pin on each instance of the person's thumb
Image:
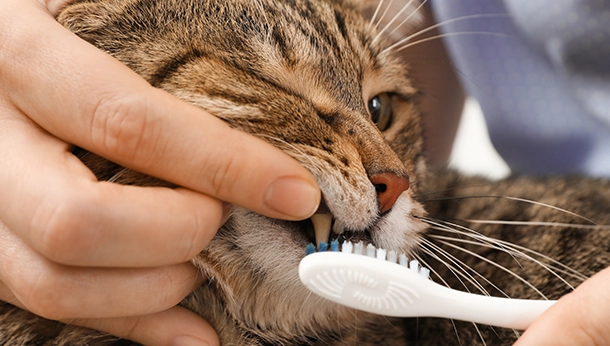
(579, 318)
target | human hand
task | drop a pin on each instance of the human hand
(579, 318)
(106, 256)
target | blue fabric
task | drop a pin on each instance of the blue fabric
(541, 73)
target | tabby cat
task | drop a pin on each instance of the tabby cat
(314, 78)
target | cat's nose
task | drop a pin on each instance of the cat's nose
(388, 186)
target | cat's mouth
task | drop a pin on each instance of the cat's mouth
(322, 228)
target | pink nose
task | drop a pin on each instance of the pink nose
(389, 186)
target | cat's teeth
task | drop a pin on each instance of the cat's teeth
(338, 228)
(321, 227)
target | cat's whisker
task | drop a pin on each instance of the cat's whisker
(558, 266)
(489, 242)
(440, 24)
(455, 267)
(517, 199)
(462, 265)
(451, 268)
(550, 269)
(372, 21)
(117, 176)
(428, 252)
(513, 251)
(385, 11)
(427, 265)
(436, 37)
(510, 248)
(462, 187)
(508, 271)
(538, 223)
(434, 256)
(453, 228)
(404, 21)
(396, 16)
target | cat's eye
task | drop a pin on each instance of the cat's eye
(380, 108)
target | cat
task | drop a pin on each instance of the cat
(319, 80)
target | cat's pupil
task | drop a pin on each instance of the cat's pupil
(375, 108)
(381, 111)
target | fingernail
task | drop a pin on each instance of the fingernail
(293, 197)
(188, 340)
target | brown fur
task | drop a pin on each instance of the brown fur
(299, 74)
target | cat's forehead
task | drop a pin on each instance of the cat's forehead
(321, 50)
(324, 51)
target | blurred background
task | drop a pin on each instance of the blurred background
(472, 151)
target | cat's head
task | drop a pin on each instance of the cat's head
(310, 77)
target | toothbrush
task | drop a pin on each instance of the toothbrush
(370, 279)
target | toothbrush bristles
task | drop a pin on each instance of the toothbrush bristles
(403, 260)
(414, 265)
(347, 247)
(425, 272)
(392, 256)
(309, 249)
(370, 251)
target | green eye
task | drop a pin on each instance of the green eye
(380, 108)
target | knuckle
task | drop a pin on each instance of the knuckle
(168, 298)
(171, 291)
(121, 128)
(45, 297)
(61, 230)
(222, 177)
(206, 222)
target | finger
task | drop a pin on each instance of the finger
(58, 292)
(176, 326)
(6, 295)
(579, 318)
(126, 120)
(58, 208)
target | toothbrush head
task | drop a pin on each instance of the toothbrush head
(361, 277)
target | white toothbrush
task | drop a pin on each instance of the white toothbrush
(370, 279)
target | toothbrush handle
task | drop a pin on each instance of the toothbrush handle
(495, 311)
(385, 288)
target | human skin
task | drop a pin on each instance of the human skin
(110, 257)
(82, 251)
(579, 318)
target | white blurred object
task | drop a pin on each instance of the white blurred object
(473, 153)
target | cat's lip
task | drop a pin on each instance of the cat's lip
(323, 207)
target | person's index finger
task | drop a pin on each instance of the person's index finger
(88, 98)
